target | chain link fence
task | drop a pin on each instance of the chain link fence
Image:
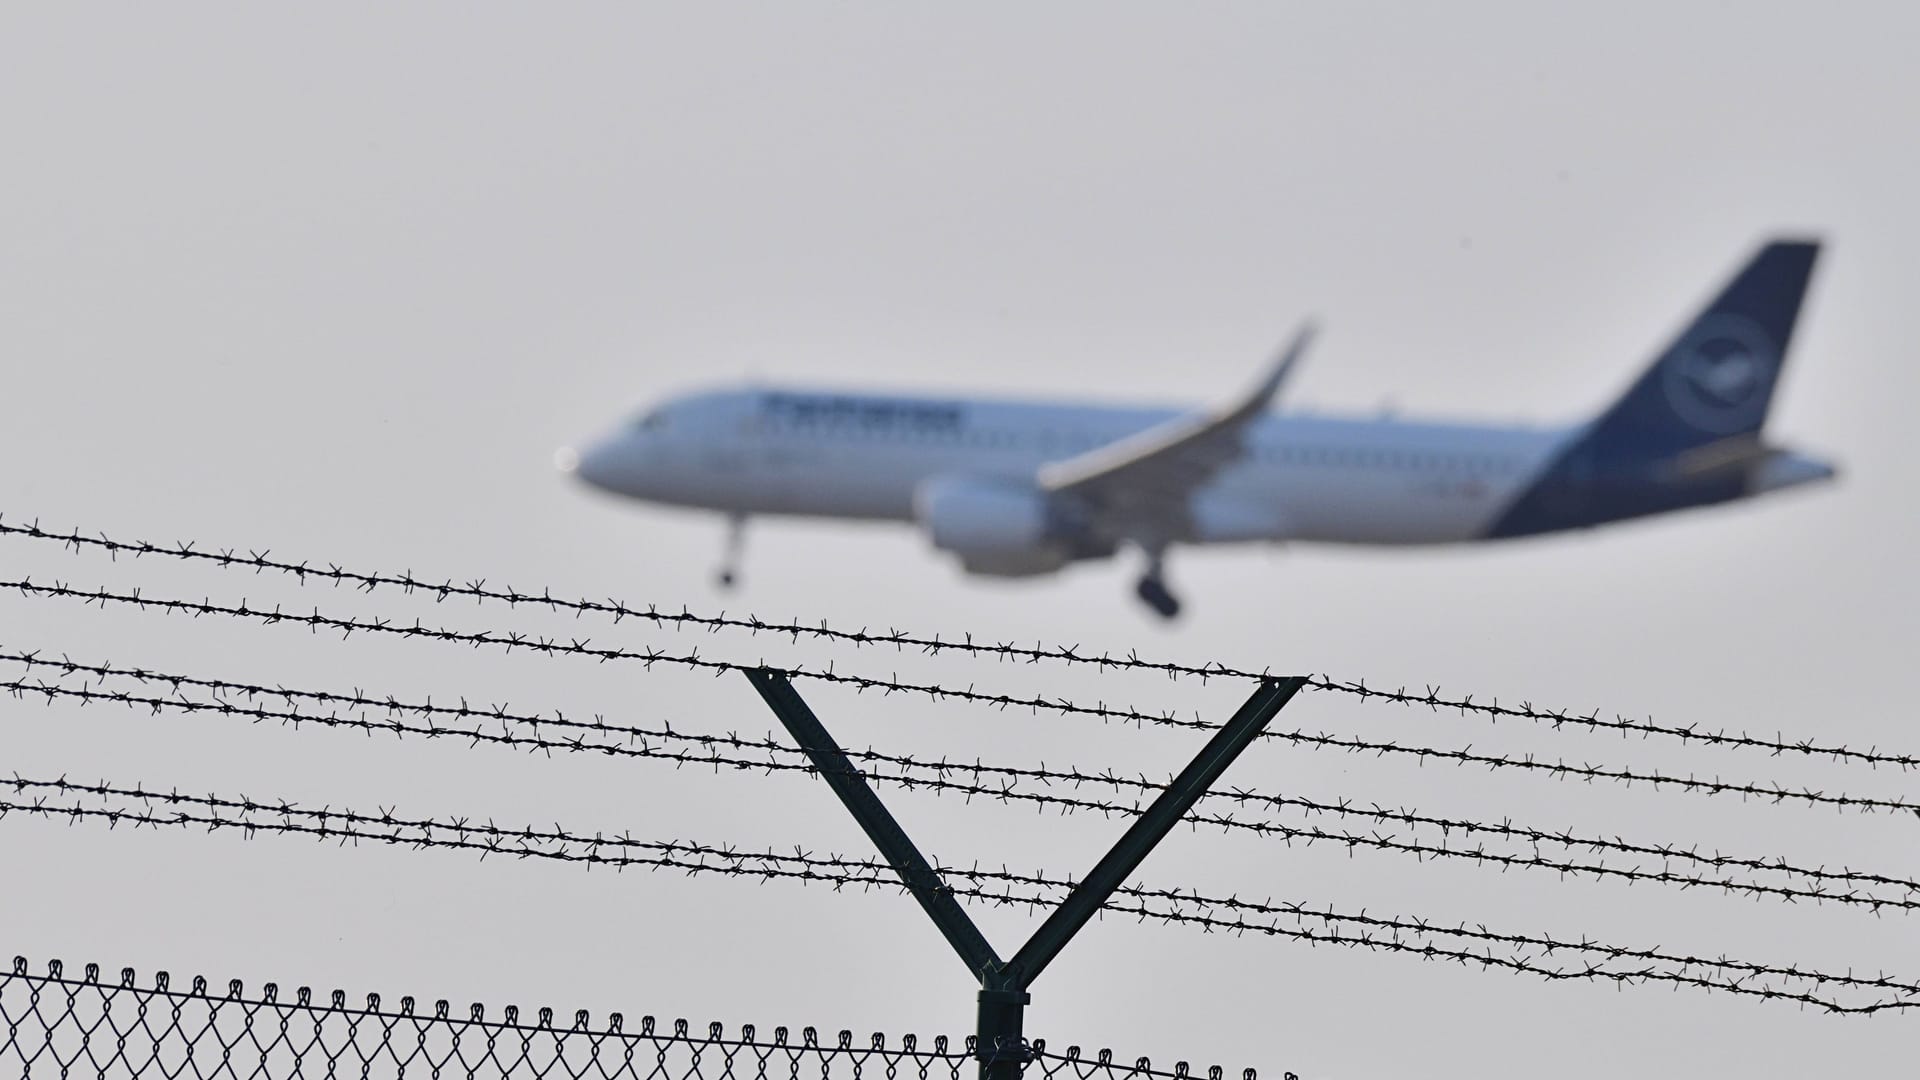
(59, 1025)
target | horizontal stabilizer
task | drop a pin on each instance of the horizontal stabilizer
(1728, 455)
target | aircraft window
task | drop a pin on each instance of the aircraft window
(653, 421)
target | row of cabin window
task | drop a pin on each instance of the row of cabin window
(992, 438)
(941, 434)
(1408, 460)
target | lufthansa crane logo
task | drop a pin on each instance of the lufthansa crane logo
(1719, 377)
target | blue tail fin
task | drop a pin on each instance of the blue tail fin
(1716, 379)
(1712, 385)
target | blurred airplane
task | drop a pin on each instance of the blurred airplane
(1023, 488)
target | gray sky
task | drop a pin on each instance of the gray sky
(337, 283)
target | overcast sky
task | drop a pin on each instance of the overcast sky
(337, 283)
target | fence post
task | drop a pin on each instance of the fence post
(999, 1041)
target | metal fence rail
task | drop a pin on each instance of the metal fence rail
(57, 1025)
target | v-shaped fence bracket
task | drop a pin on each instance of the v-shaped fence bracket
(1000, 1045)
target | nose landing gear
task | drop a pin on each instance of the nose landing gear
(729, 573)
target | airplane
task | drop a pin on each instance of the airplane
(1022, 488)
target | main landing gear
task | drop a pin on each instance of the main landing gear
(729, 573)
(1153, 590)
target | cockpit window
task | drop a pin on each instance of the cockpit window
(653, 421)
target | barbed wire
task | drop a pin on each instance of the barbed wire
(1177, 906)
(937, 776)
(74, 1025)
(1515, 964)
(1002, 793)
(1557, 768)
(1430, 697)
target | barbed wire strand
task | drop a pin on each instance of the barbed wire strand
(1557, 768)
(914, 774)
(993, 886)
(1431, 697)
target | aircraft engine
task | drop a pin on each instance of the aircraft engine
(1001, 528)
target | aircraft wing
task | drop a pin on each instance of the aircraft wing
(1141, 486)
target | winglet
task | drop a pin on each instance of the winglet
(1263, 394)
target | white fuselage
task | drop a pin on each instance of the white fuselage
(841, 455)
(1023, 488)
